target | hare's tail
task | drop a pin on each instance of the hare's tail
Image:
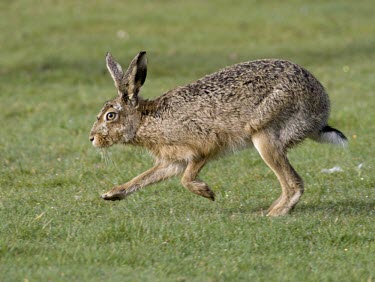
(331, 135)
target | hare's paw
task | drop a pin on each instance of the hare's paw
(279, 210)
(200, 188)
(283, 205)
(207, 193)
(109, 197)
(116, 194)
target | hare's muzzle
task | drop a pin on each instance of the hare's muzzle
(94, 141)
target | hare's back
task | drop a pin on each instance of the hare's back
(249, 84)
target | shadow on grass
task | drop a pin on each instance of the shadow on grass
(344, 207)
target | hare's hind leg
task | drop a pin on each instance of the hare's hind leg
(291, 183)
(189, 180)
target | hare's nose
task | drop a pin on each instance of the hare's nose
(91, 139)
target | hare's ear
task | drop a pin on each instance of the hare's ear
(116, 72)
(135, 76)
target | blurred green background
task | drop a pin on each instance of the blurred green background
(53, 81)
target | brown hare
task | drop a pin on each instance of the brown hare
(269, 104)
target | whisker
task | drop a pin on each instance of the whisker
(106, 157)
(103, 154)
(112, 162)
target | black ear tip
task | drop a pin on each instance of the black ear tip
(142, 53)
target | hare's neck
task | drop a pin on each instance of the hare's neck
(148, 107)
(148, 132)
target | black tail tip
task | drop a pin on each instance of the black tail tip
(328, 128)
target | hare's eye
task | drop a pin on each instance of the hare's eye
(110, 116)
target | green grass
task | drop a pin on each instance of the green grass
(53, 81)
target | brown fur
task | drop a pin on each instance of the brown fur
(269, 104)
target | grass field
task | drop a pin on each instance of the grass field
(53, 81)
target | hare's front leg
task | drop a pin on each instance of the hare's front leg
(189, 180)
(158, 173)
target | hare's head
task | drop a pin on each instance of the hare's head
(119, 119)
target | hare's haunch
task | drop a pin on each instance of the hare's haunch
(271, 105)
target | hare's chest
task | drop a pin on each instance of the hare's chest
(173, 153)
